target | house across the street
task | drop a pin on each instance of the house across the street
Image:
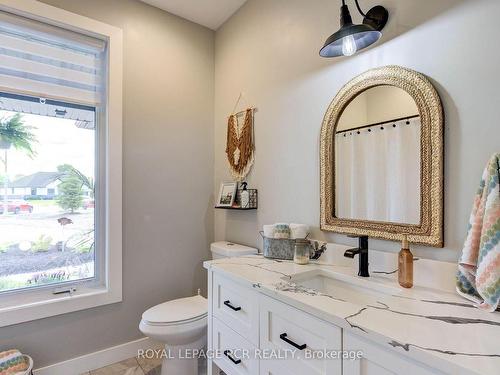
(40, 185)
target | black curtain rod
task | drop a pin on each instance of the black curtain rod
(378, 123)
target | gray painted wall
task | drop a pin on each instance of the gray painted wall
(269, 50)
(168, 144)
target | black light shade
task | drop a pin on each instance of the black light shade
(363, 35)
(352, 38)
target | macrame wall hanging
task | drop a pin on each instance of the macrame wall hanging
(240, 143)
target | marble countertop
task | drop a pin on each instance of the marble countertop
(435, 327)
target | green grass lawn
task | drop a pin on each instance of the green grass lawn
(43, 203)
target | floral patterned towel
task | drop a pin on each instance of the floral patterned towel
(478, 277)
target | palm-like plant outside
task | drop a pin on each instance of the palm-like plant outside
(71, 171)
(13, 132)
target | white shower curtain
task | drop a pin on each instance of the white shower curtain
(378, 173)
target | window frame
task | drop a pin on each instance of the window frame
(27, 305)
(99, 213)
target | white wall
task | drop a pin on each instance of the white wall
(168, 144)
(269, 50)
(386, 103)
(356, 113)
(377, 104)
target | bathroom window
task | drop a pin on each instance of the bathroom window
(47, 195)
(60, 163)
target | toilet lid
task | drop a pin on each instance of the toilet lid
(177, 310)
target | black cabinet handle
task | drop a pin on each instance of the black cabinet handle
(228, 304)
(283, 336)
(227, 353)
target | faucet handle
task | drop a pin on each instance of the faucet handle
(350, 253)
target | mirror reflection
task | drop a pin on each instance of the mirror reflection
(377, 158)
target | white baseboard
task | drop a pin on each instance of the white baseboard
(101, 358)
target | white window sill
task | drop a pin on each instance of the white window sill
(22, 307)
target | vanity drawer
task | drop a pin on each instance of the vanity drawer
(285, 328)
(237, 355)
(237, 306)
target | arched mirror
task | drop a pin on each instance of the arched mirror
(382, 158)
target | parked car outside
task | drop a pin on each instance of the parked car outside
(89, 203)
(16, 207)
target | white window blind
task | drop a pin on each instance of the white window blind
(50, 62)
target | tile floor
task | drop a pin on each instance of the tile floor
(131, 366)
(137, 366)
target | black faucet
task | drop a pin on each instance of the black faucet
(362, 251)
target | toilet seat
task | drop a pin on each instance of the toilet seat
(177, 312)
(178, 323)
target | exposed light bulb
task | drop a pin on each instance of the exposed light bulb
(349, 47)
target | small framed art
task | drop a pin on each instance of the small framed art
(227, 194)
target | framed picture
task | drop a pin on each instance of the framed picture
(227, 194)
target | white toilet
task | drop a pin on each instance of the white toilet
(182, 323)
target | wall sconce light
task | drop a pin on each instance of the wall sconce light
(352, 38)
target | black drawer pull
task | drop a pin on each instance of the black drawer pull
(283, 336)
(227, 353)
(228, 304)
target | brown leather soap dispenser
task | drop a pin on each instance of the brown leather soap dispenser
(405, 265)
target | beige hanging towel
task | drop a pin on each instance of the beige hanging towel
(240, 145)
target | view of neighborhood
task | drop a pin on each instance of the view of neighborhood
(46, 200)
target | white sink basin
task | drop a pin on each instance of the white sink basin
(353, 289)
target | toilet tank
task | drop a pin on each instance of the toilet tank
(224, 249)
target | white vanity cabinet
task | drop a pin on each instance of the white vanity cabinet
(244, 326)
(380, 361)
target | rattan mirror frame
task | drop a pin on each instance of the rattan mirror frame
(430, 229)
